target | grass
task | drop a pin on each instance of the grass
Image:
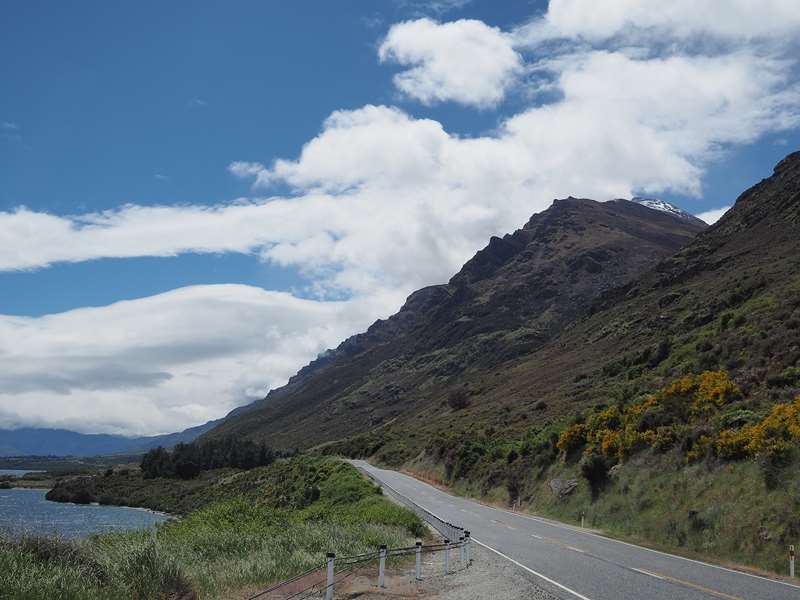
(734, 497)
(724, 513)
(278, 521)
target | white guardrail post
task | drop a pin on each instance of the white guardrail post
(382, 568)
(468, 540)
(446, 557)
(461, 549)
(418, 570)
(791, 561)
(329, 587)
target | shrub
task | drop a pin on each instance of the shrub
(458, 399)
(594, 469)
(572, 438)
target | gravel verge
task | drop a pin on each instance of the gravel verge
(488, 577)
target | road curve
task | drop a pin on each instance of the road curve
(574, 563)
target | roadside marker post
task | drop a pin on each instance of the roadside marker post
(469, 545)
(418, 570)
(583, 520)
(447, 557)
(461, 549)
(791, 561)
(382, 568)
(329, 588)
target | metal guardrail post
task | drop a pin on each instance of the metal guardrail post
(461, 549)
(418, 570)
(329, 587)
(382, 568)
(446, 557)
(468, 541)
(791, 561)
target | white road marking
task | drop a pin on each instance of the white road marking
(532, 572)
(574, 529)
(538, 537)
(647, 573)
(610, 539)
(519, 564)
(576, 549)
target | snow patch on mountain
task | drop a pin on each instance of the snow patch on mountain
(663, 206)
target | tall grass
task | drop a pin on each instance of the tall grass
(245, 541)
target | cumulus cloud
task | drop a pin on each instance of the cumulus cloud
(713, 215)
(160, 363)
(464, 61)
(382, 203)
(375, 174)
(722, 19)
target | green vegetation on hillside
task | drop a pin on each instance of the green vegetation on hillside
(695, 467)
(187, 461)
(246, 529)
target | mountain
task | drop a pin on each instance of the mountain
(28, 441)
(657, 204)
(510, 300)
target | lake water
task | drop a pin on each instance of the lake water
(16, 472)
(23, 510)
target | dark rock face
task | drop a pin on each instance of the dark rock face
(563, 488)
(510, 299)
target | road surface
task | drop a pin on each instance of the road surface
(576, 564)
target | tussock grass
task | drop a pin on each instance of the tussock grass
(272, 530)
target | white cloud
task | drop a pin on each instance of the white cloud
(464, 61)
(381, 203)
(161, 363)
(376, 174)
(713, 215)
(9, 126)
(722, 19)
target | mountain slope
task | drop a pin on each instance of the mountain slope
(508, 301)
(728, 300)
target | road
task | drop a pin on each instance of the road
(575, 563)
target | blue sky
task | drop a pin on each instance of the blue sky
(170, 117)
(149, 103)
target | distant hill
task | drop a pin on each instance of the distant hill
(29, 441)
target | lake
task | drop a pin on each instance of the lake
(16, 472)
(23, 510)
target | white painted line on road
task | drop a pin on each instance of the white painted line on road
(576, 549)
(690, 584)
(508, 558)
(643, 572)
(538, 537)
(559, 525)
(556, 524)
(532, 572)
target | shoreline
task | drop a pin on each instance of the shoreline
(168, 516)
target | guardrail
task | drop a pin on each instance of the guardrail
(322, 579)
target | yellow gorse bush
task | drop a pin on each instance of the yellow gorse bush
(771, 437)
(650, 422)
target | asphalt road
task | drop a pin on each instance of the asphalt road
(574, 563)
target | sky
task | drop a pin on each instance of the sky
(197, 198)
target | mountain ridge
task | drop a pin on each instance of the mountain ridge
(509, 299)
(34, 441)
